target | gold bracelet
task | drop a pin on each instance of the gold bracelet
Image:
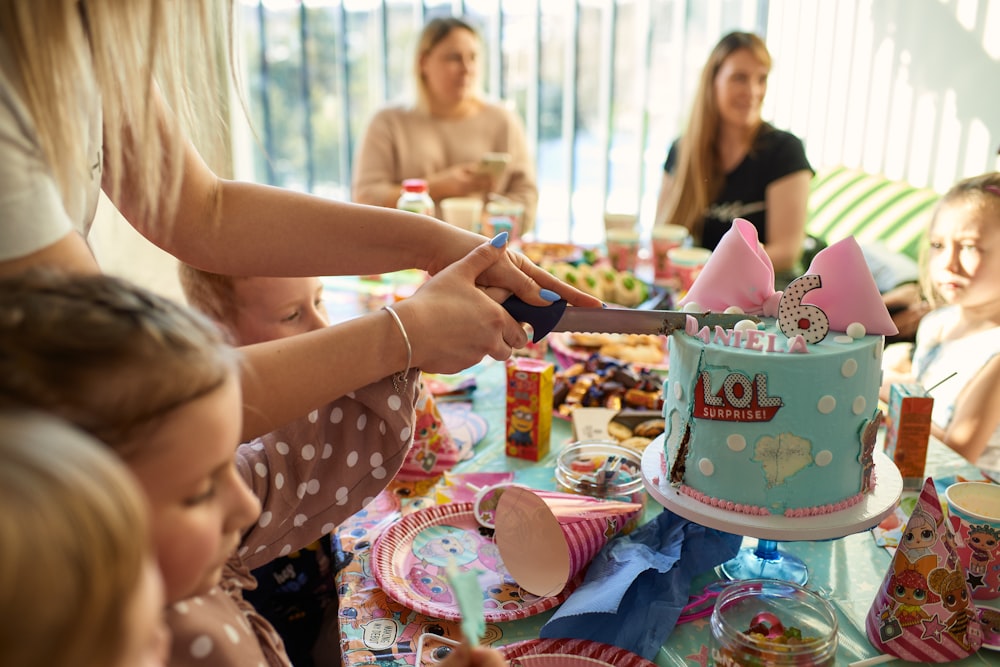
(399, 380)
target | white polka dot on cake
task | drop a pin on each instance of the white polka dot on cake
(826, 404)
(362, 422)
(395, 402)
(745, 325)
(733, 310)
(859, 405)
(843, 340)
(824, 458)
(692, 307)
(336, 415)
(706, 467)
(736, 442)
(849, 368)
(856, 330)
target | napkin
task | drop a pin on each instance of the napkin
(638, 583)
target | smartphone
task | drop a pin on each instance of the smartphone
(493, 164)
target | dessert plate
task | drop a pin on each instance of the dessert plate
(570, 653)
(409, 559)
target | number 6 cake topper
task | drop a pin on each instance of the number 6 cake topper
(739, 275)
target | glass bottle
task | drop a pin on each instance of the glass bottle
(415, 197)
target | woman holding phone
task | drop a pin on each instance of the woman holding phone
(460, 143)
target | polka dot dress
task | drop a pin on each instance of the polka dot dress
(309, 476)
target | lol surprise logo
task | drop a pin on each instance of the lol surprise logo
(739, 399)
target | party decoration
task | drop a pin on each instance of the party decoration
(923, 611)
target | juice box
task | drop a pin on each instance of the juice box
(529, 408)
(909, 431)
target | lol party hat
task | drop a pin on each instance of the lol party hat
(923, 611)
(434, 450)
(546, 538)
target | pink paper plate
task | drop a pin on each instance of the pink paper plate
(408, 562)
(556, 660)
(604, 654)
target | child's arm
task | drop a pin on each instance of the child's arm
(977, 413)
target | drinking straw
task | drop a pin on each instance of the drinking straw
(877, 660)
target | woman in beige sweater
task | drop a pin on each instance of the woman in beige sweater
(443, 138)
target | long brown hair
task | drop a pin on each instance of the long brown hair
(699, 176)
(433, 33)
(134, 51)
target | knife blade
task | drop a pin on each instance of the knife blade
(558, 317)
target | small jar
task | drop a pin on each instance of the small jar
(415, 197)
(602, 469)
(771, 623)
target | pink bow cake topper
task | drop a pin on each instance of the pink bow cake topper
(837, 293)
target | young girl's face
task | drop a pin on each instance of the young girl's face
(200, 504)
(273, 308)
(964, 258)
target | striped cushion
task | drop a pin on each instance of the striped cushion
(845, 202)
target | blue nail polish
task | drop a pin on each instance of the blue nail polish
(548, 294)
(500, 240)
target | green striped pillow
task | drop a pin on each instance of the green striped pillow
(845, 202)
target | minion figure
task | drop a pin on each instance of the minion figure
(519, 431)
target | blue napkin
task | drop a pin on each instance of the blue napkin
(637, 584)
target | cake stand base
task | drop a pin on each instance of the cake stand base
(766, 560)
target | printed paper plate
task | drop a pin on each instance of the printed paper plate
(408, 561)
(570, 653)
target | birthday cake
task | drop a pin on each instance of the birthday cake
(779, 414)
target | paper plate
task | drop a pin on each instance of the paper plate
(603, 654)
(408, 562)
(556, 660)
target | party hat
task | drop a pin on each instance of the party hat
(923, 611)
(434, 450)
(546, 538)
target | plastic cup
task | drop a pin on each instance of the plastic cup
(774, 609)
(623, 248)
(974, 512)
(511, 213)
(464, 212)
(665, 238)
(686, 264)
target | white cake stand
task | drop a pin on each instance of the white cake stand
(765, 560)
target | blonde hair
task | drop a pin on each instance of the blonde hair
(434, 32)
(108, 356)
(132, 50)
(213, 294)
(699, 176)
(74, 542)
(983, 191)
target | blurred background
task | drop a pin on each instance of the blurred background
(906, 88)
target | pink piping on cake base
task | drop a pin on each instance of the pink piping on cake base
(825, 509)
(727, 505)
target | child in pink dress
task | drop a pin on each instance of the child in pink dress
(158, 383)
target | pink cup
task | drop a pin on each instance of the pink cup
(974, 512)
(623, 248)
(665, 238)
(686, 264)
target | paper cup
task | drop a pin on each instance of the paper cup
(974, 512)
(687, 263)
(665, 238)
(501, 214)
(464, 212)
(623, 248)
(620, 221)
(546, 538)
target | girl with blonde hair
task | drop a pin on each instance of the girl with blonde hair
(730, 164)
(157, 383)
(78, 584)
(98, 94)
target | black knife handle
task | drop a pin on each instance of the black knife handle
(541, 318)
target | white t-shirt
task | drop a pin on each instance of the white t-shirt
(33, 213)
(964, 357)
